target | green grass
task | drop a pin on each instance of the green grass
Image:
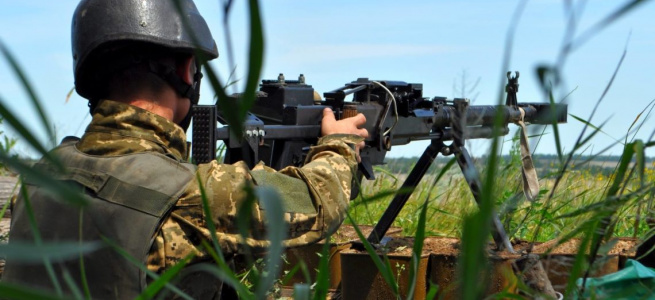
(450, 200)
(573, 202)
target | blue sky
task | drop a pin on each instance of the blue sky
(436, 43)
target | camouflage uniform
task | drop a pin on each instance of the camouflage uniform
(315, 196)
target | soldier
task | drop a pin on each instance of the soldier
(140, 70)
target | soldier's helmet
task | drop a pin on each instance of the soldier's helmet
(100, 25)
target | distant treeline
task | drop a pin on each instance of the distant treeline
(543, 162)
(604, 158)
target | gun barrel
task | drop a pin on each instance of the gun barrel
(484, 115)
(545, 113)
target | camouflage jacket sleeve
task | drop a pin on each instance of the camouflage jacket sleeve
(314, 196)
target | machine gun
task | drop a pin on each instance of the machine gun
(285, 120)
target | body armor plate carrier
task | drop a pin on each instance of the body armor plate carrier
(128, 196)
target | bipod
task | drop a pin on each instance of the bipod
(423, 164)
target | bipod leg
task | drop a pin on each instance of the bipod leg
(406, 190)
(471, 173)
(473, 179)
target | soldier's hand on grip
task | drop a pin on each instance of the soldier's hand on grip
(329, 125)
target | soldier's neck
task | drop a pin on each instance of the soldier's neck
(163, 104)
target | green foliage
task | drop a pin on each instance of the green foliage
(6, 145)
(323, 277)
(576, 199)
(268, 199)
(384, 266)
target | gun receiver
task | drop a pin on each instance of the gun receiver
(285, 120)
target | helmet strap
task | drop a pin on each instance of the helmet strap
(191, 91)
(93, 103)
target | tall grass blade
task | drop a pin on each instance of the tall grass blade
(69, 94)
(603, 226)
(509, 42)
(30, 252)
(640, 160)
(624, 163)
(417, 250)
(322, 284)
(244, 219)
(211, 226)
(384, 268)
(226, 276)
(476, 227)
(651, 105)
(300, 266)
(38, 241)
(564, 167)
(242, 105)
(380, 196)
(256, 57)
(227, 104)
(29, 174)
(444, 170)
(72, 286)
(472, 262)
(277, 229)
(27, 135)
(555, 126)
(607, 87)
(223, 271)
(227, 7)
(609, 19)
(608, 203)
(14, 292)
(432, 291)
(580, 259)
(588, 139)
(170, 273)
(29, 90)
(553, 122)
(596, 128)
(4, 209)
(85, 283)
(302, 291)
(139, 264)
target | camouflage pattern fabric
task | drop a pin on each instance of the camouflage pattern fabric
(325, 182)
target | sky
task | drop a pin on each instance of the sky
(441, 44)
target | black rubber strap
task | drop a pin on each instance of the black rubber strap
(167, 73)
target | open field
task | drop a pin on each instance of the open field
(450, 200)
(588, 203)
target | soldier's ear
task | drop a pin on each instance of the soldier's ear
(186, 68)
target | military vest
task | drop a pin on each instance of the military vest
(128, 196)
